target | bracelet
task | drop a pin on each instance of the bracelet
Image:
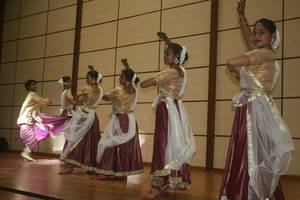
(243, 22)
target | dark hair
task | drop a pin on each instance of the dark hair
(269, 24)
(177, 49)
(28, 83)
(93, 74)
(66, 79)
(128, 74)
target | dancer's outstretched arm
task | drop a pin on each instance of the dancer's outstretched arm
(151, 81)
(245, 28)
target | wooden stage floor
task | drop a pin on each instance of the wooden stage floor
(21, 180)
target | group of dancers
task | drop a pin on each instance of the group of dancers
(260, 147)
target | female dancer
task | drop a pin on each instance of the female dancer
(173, 139)
(119, 153)
(67, 103)
(82, 133)
(35, 126)
(260, 147)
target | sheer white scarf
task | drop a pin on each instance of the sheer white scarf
(113, 134)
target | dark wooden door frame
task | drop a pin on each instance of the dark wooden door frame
(211, 108)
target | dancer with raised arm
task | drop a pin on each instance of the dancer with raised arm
(82, 133)
(260, 148)
(174, 142)
(119, 152)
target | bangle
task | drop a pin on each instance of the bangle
(243, 22)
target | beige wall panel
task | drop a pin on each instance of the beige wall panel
(294, 166)
(5, 122)
(146, 142)
(135, 7)
(6, 133)
(291, 81)
(62, 19)
(60, 3)
(228, 15)
(98, 37)
(291, 115)
(192, 19)
(145, 116)
(200, 154)
(104, 114)
(292, 38)
(226, 49)
(16, 143)
(141, 58)
(226, 85)
(224, 117)
(35, 6)
(31, 48)
(60, 43)
(172, 3)
(146, 94)
(52, 90)
(16, 112)
(12, 9)
(9, 51)
(197, 112)
(32, 69)
(53, 110)
(291, 9)
(7, 73)
(197, 85)
(21, 93)
(6, 92)
(277, 90)
(52, 145)
(197, 47)
(10, 30)
(138, 29)
(99, 11)
(103, 61)
(33, 25)
(58, 67)
(107, 85)
(220, 152)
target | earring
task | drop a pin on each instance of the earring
(177, 61)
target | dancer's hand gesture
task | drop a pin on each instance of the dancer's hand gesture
(241, 7)
(125, 63)
(162, 35)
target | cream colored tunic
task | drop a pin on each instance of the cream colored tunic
(32, 103)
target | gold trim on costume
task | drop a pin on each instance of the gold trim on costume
(102, 171)
(174, 182)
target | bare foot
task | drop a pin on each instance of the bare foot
(66, 171)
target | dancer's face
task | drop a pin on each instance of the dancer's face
(123, 80)
(262, 36)
(170, 57)
(69, 84)
(90, 80)
(33, 87)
